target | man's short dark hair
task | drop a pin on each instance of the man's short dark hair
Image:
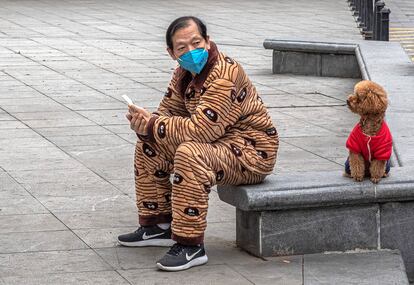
(181, 23)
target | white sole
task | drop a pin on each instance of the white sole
(150, 242)
(195, 262)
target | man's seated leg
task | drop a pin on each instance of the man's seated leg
(153, 194)
(198, 167)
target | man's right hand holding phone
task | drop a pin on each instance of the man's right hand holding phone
(138, 117)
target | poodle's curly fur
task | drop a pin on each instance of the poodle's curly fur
(369, 100)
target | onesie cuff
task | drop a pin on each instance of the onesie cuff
(150, 128)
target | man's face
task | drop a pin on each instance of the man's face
(187, 39)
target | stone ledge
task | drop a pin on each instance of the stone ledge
(314, 58)
(318, 189)
(310, 46)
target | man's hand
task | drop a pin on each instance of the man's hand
(138, 118)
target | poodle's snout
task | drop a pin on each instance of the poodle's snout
(348, 103)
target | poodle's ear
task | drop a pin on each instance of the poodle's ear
(382, 102)
(375, 102)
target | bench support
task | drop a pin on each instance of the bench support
(314, 230)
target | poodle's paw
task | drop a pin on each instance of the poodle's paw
(385, 175)
(375, 179)
(346, 175)
(358, 178)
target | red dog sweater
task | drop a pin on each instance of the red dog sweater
(377, 147)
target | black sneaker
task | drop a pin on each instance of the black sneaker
(181, 257)
(147, 236)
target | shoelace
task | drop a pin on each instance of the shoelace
(176, 249)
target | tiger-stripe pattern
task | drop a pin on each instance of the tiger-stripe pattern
(210, 129)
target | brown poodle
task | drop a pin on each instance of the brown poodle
(370, 142)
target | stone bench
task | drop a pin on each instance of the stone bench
(315, 212)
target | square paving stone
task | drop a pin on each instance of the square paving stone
(112, 203)
(20, 202)
(30, 223)
(98, 219)
(286, 271)
(78, 278)
(376, 268)
(40, 241)
(40, 263)
(72, 187)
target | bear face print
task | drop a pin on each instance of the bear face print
(191, 211)
(210, 114)
(250, 141)
(149, 151)
(207, 188)
(161, 130)
(261, 153)
(219, 175)
(160, 174)
(168, 93)
(271, 131)
(150, 205)
(242, 95)
(167, 197)
(190, 94)
(229, 60)
(235, 150)
(233, 95)
(177, 178)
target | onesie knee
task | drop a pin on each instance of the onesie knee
(186, 150)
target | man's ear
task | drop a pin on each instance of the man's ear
(208, 43)
(171, 53)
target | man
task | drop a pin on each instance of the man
(210, 128)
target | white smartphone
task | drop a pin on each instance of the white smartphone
(126, 98)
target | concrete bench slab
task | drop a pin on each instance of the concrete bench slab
(318, 189)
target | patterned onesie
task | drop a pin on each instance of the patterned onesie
(210, 129)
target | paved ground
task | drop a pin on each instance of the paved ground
(66, 179)
(402, 24)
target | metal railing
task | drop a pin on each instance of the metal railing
(372, 17)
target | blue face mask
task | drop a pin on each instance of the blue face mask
(194, 60)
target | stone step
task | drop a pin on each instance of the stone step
(382, 267)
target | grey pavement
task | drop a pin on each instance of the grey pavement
(66, 151)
